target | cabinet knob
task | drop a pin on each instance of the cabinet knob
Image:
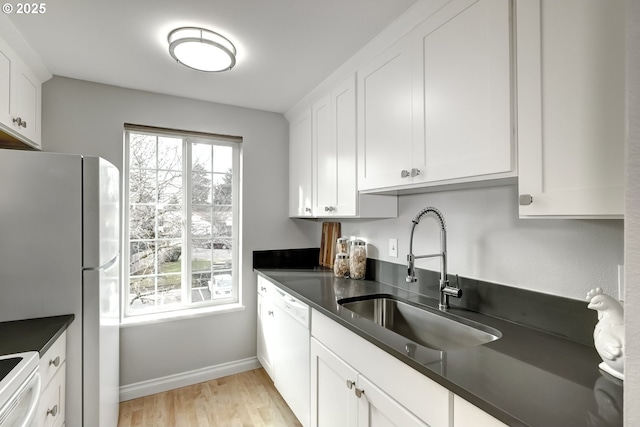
(21, 123)
(270, 313)
(307, 210)
(55, 362)
(525, 199)
(329, 208)
(53, 411)
(359, 392)
(350, 384)
(415, 172)
(404, 173)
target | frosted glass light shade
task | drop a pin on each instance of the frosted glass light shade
(201, 49)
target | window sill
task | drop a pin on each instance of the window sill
(171, 316)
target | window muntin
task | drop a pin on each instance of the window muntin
(181, 222)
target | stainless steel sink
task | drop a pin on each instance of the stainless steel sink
(421, 324)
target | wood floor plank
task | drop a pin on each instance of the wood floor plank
(248, 399)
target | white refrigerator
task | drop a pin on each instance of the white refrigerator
(59, 254)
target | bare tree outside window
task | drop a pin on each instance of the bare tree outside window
(180, 222)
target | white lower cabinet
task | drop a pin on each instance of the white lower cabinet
(283, 345)
(51, 409)
(341, 396)
(354, 383)
(467, 415)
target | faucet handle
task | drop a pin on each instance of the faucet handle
(452, 292)
(411, 279)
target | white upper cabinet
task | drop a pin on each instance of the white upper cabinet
(20, 103)
(385, 143)
(300, 197)
(435, 107)
(329, 130)
(571, 107)
(462, 92)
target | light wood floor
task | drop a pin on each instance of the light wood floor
(248, 399)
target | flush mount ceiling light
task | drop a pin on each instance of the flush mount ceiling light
(201, 49)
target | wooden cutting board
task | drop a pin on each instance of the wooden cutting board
(330, 233)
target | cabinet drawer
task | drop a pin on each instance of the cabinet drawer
(53, 359)
(265, 287)
(51, 406)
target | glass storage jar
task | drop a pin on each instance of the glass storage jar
(357, 259)
(341, 265)
(342, 246)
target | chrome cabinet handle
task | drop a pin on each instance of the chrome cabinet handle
(263, 289)
(270, 313)
(53, 411)
(307, 210)
(329, 208)
(55, 362)
(350, 384)
(359, 392)
(21, 123)
(525, 199)
(415, 172)
(404, 173)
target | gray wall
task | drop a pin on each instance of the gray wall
(632, 219)
(487, 241)
(87, 118)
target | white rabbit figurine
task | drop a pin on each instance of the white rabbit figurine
(608, 335)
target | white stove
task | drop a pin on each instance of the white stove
(19, 389)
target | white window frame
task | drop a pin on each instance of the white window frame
(189, 309)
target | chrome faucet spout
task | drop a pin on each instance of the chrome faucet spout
(445, 290)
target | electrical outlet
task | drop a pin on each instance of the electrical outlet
(393, 248)
(621, 287)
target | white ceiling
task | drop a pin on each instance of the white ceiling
(285, 47)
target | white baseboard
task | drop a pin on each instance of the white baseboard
(170, 382)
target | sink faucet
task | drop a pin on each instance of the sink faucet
(445, 290)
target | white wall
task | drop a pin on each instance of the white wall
(487, 241)
(87, 118)
(632, 221)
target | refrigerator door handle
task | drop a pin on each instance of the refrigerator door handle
(105, 266)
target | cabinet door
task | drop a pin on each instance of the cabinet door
(465, 414)
(462, 86)
(300, 172)
(384, 118)
(571, 107)
(377, 409)
(333, 385)
(5, 85)
(324, 159)
(265, 335)
(27, 104)
(343, 128)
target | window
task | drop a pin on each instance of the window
(181, 221)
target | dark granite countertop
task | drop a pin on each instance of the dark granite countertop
(38, 334)
(526, 378)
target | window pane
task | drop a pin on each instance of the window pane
(142, 151)
(169, 221)
(222, 189)
(169, 291)
(142, 294)
(142, 259)
(170, 153)
(201, 157)
(222, 158)
(201, 222)
(142, 220)
(222, 285)
(201, 188)
(200, 287)
(142, 186)
(169, 253)
(170, 187)
(201, 255)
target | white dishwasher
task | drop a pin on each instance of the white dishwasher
(291, 373)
